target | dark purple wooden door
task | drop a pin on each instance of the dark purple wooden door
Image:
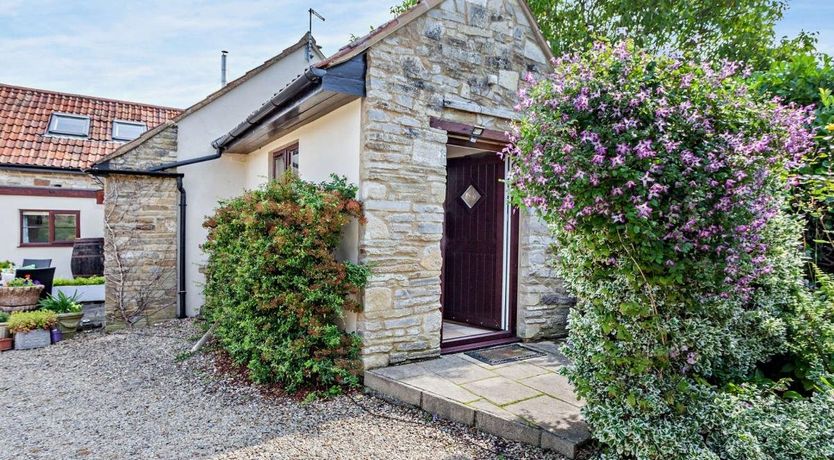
(473, 241)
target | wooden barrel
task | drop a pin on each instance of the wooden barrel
(87, 257)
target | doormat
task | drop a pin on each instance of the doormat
(504, 354)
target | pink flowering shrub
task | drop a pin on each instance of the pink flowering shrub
(663, 182)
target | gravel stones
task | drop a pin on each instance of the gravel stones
(131, 395)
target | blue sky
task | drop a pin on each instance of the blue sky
(167, 52)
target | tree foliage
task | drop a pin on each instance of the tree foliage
(732, 29)
(664, 183)
(274, 288)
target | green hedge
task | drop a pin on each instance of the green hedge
(275, 289)
(80, 281)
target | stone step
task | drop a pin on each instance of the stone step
(467, 393)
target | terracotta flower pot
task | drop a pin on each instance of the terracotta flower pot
(68, 323)
(6, 344)
(20, 298)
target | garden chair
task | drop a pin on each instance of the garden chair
(37, 263)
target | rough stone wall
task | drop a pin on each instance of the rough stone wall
(542, 299)
(159, 149)
(18, 178)
(140, 257)
(463, 50)
(141, 225)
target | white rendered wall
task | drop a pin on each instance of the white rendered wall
(92, 226)
(329, 145)
(209, 182)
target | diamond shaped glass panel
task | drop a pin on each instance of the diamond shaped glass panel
(471, 197)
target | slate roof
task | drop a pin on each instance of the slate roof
(25, 115)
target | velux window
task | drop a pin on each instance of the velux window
(127, 130)
(285, 160)
(64, 124)
(43, 228)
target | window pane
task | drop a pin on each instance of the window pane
(64, 233)
(279, 167)
(65, 225)
(294, 161)
(127, 131)
(73, 126)
(36, 235)
(35, 227)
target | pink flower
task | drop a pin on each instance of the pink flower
(644, 149)
(644, 211)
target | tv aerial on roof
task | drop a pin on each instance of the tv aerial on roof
(311, 13)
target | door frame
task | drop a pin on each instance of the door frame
(495, 142)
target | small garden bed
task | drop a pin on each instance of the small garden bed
(84, 289)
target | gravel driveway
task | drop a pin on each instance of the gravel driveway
(126, 395)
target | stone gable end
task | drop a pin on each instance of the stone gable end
(161, 148)
(472, 51)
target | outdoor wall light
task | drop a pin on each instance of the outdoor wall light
(477, 132)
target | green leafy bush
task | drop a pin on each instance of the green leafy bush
(80, 281)
(275, 289)
(807, 78)
(61, 303)
(3, 317)
(32, 320)
(664, 181)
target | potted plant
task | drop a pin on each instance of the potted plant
(31, 329)
(6, 340)
(85, 289)
(69, 312)
(20, 294)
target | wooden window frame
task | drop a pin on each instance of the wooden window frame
(287, 159)
(51, 224)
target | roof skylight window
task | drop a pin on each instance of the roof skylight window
(127, 130)
(64, 124)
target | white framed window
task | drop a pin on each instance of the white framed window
(128, 130)
(67, 124)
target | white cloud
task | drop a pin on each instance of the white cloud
(161, 51)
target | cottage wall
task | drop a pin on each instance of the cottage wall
(24, 178)
(91, 214)
(140, 248)
(158, 150)
(140, 235)
(474, 52)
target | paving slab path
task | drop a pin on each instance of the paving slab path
(526, 401)
(132, 395)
